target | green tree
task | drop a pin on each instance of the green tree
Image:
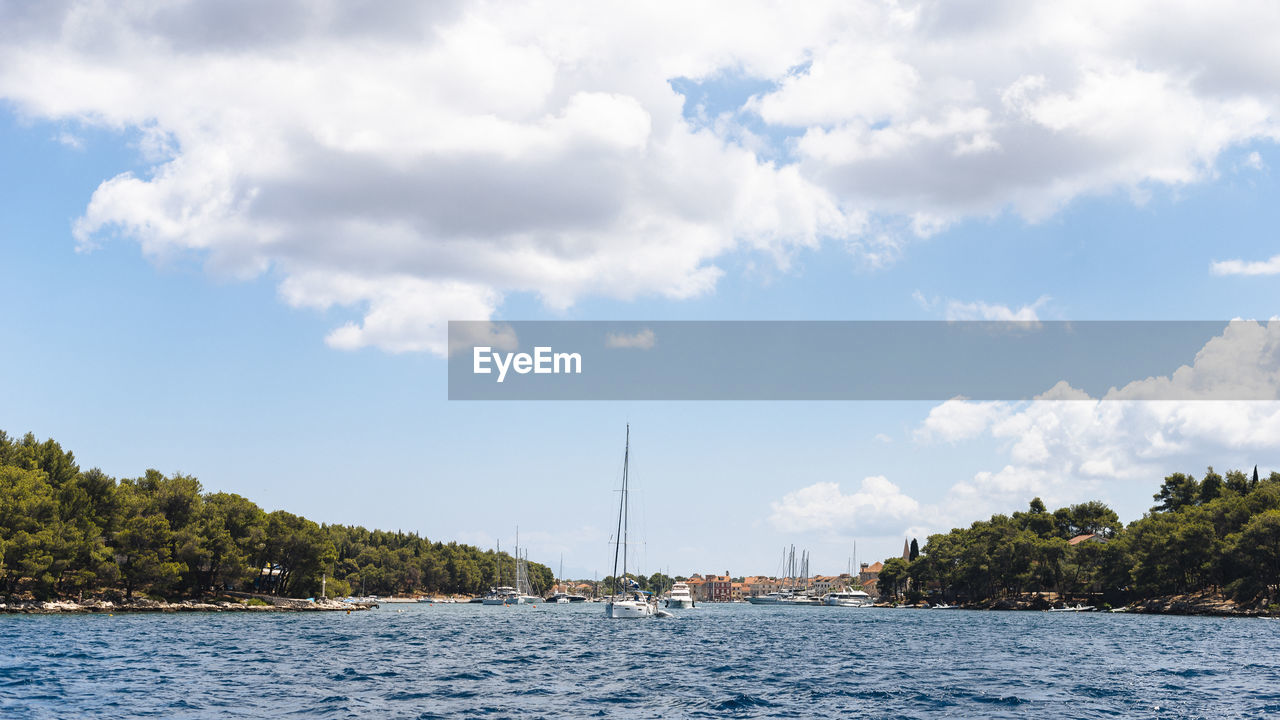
(142, 551)
(1177, 491)
(893, 576)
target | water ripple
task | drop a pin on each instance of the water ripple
(443, 661)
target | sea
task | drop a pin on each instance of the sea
(553, 661)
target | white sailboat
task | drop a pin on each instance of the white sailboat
(625, 602)
(499, 593)
(522, 593)
(524, 588)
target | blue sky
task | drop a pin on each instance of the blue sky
(192, 324)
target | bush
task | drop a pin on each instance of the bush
(256, 602)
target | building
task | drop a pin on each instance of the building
(697, 588)
(869, 575)
(719, 588)
(760, 585)
(1086, 538)
(828, 583)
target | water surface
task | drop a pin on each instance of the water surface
(421, 661)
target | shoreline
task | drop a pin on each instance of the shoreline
(238, 602)
(1205, 604)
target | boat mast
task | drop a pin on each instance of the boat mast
(626, 501)
(617, 536)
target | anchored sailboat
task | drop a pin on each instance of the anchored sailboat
(625, 602)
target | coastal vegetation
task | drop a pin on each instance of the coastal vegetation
(1219, 534)
(68, 532)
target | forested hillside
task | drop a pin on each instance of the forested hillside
(1220, 533)
(65, 532)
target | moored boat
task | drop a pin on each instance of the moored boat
(847, 598)
(625, 603)
(679, 597)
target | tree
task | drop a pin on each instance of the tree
(892, 576)
(1212, 486)
(1257, 548)
(659, 583)
(1086, 518)
(143, 555)
(915, 550)
(1177, 491)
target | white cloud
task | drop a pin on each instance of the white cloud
(959, 419)
(411, 161)
(1241, 267)
(877, 507)
(960, 310)
(641, 340)
(1064, 445)
(978, 310)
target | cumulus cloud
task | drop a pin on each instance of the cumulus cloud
(1241, 267)
(877, 507)
(642, 340)
(960, 310)
(959, 419)
(1064, 444)
(957, 310)
(409, 162)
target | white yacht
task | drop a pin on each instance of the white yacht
(679, 597)
(772, 598)
(848, 598)
(625, 602)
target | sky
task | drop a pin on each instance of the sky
(231, 237)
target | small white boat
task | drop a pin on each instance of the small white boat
(679, 597)
(944, 606)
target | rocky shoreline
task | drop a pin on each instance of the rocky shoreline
(228, 602)
(1201, 603)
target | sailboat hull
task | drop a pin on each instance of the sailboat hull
(627, 609)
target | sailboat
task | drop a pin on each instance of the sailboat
(522, 593)
(499, 593)
(524, 588)
(625, 602)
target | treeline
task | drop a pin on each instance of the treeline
(1217, 533)
(69, 532)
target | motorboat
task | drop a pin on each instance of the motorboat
(679, 597)
(847, 598)
(772, 598)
